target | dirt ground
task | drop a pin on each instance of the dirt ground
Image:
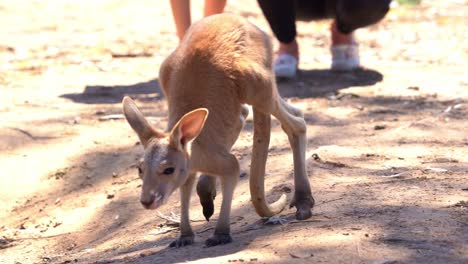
(387, 145)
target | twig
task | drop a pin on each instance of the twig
(174, 218)
(28, 134)
(252, 228)
(394, 175)
(45, 237)
(444, 112)
(164, 231)
(329, 201)
(305, 221)
(436, 169)
(111, 117)
(23, 132)
(131, 55)
(204, 230)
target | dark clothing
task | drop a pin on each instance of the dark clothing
(349, 15)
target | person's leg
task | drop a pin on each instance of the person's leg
(291, 48)
(213, 7)
(181, 15)
(281, 17)
(339, 38)
(349, 16)
(344, 50)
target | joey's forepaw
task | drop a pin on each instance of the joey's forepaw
(218, 239)
(303, 203)
(182, 241)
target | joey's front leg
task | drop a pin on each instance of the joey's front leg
(186, 234)
(222, 234)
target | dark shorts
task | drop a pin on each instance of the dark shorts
(348, 14)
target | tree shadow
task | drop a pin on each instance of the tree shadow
(248, 228)
(113, 94)
(126, 206)
(156, 250)
(396, 233)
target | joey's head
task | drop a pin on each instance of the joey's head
(164, 167)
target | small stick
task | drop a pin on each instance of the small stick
(329, 201)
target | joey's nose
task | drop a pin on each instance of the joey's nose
(147, 202)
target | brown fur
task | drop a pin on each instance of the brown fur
(222, 63)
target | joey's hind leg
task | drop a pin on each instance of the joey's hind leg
(206, 186)
(206, 190)
(186, 234)
(293, 124)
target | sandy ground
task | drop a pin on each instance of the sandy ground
(387, 146)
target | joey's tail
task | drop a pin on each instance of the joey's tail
(261, 141)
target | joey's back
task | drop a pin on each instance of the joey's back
(211, 68)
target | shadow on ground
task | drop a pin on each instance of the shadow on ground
(99, 94)
(323, 82)
(390, 218)
(318, 83)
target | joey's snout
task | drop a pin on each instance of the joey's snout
(152, 201)
(148, 201)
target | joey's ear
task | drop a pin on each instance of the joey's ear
(188, 127)
(138, 122)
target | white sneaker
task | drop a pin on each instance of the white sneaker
(345, 57)
(285, 66)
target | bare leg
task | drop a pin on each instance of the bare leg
(291, 48)
(186, 234)
(293, 124)
(339, 38)
(213, 7)
(181, 14)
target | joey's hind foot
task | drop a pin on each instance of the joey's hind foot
(182, 241)
(218, 239)
(303, 212)
(206, 190)
(303, 203)
(208, 208)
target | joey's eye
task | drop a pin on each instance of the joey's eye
(168, 171)
(139, 166)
